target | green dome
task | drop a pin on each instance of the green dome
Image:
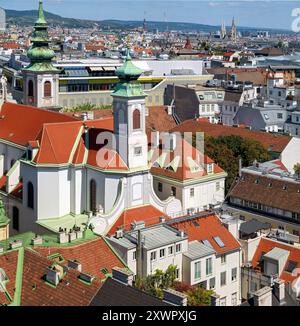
(40, 54)
(129, 71)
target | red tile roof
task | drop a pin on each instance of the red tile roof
(184, 152)
(158, 119)
(277, 142)
(209, 227)
(69, 292)
(8, 262)
(20, 124)
(266, 245)
(93, 256)
(148, 214)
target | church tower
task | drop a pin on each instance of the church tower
(223, 30)
(41, 80)
(233, 33)
(129, 117)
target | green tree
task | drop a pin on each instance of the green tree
(297, 170)
(226, 151)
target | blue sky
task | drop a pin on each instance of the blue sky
(263, 13)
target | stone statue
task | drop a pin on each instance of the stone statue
(3, 82)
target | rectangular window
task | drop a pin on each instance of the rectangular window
(162, 253)
(197, 271)
(173, 191)
(223, 259)
(138, 151)
(218, 186)
(223, 278)
(212, 283)
(170, 250)
(208, 266)
(177, 273)
(134, 255)
(192, 192)
(234, 274)
(160, 187)
(153, 255)
(178, 248)
(279, 116)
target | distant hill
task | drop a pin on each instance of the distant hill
(28, 17)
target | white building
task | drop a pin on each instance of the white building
(203, 250)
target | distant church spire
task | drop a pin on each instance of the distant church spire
(223, 30)
(233, 33)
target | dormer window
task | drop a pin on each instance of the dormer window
(210, 168)
(257, 181)
(284, 188)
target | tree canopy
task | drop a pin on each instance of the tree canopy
(227, 150)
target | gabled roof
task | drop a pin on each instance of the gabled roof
(266, 245)
(148, 214)
(269, 191)
(20, 124)
(93, 255)
(207, 228)
(69, 292)
(276, 142)
(183, 163)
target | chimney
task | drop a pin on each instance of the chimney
(137, 225)
(170, 109)
(263, 297)
(175, 298)
(155, 138)
(74, 264)
(162, 219)
(119, 234)
(181, 234)
(279, 289)
(122, 275)
(53, 275)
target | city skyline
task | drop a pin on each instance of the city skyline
(258, 14)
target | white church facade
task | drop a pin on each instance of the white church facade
(57, 172)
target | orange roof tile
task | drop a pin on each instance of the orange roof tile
(277, 142)
(266, 245)
(93, 256)
(20, 124)
(209, 227)
(148, 214)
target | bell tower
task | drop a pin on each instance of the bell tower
(129, 117)
(41, 79)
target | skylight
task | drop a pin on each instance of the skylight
(207, 243)
(291, 265)
(219, 242)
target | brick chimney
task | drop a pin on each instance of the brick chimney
(263, 297)
(174, 297)
(122, 275)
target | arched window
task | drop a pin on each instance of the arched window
(30, 88)
(47, 89)
(30, 195)
(93, 195)
(15, 218)
(136, 119)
